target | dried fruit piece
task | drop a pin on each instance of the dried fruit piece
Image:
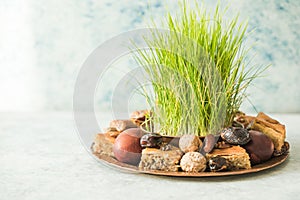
(153, 140)
(218, 163)
(208, 144)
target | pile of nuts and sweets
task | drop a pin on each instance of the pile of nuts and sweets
(249, 141)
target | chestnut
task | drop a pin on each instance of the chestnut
(127, 148)
(260, 148)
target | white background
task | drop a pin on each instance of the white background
(44, 43)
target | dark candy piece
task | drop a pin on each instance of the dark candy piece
(152, 140)
(235, 135)
(260, 148)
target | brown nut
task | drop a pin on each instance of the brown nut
(127, 146)
(260, 148)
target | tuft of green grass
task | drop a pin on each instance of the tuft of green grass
(197, 70)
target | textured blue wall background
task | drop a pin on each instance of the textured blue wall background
(44, 43)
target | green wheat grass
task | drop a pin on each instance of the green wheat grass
(197, 70)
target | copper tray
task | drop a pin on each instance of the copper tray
(131, 168)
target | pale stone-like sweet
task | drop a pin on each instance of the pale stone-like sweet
(193, 162)
(189, 143)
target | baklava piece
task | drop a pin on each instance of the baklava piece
(159, 159)
(236, 157)
(103, 144)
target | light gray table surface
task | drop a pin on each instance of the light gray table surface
(41, 157)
